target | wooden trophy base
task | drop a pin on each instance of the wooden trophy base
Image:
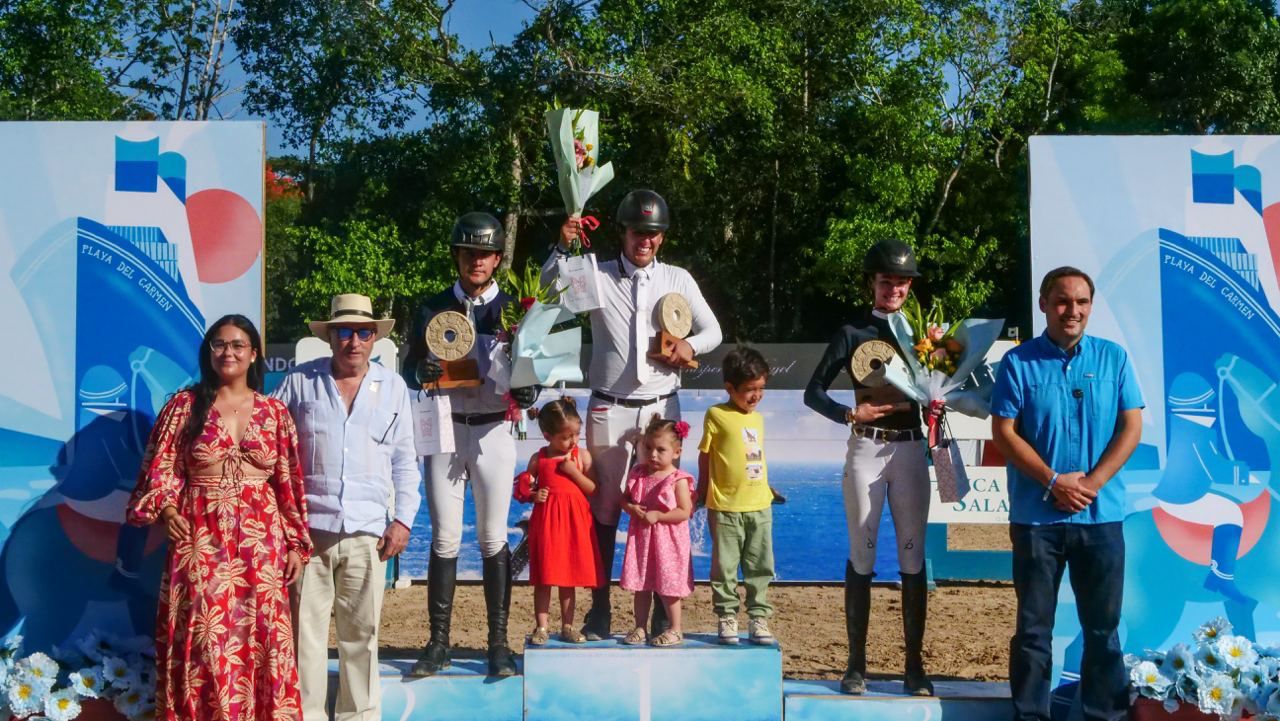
(663, 344)
(464, 373)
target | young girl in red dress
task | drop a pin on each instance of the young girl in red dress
(562, 540)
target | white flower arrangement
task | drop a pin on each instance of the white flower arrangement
(40, 687)
(1223, 675)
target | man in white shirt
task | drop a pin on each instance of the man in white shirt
(355, 432)
(627, 386)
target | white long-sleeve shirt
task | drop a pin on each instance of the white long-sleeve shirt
(348, 459)
(614, 355)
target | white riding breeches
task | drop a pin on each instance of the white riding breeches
(485, 456)
(614, 435)
(874, 470)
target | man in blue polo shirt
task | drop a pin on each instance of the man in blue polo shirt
(1067, 414)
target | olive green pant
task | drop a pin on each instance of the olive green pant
(746, 540)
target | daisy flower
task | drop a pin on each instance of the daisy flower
(1178, 661)
(25, 698)
(116, 671)
(62, 705)
(1236, 651)
(1213, 630)
(1218, 695)
(88, 682)
(1146, 677)
(1207, 659)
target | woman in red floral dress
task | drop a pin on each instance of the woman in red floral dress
(221, 472)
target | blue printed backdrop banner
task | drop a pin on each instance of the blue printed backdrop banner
(118, 243)
(1182, 235)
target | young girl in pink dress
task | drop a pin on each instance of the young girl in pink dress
(659, 498)
(562, 540)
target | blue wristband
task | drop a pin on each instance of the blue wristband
(1048, 490)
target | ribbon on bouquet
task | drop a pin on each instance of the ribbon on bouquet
(590, 223)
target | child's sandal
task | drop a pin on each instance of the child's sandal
(569, 634)
(539, 637)
(637, 637)
(668, 637)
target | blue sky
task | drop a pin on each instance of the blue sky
(475, 22)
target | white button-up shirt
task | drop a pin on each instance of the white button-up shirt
(614, 355)
(351, 463)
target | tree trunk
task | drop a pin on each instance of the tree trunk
(773, 252)
(311, 165)
(511, 220)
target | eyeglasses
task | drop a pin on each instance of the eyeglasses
(344, 334)
(235, 346)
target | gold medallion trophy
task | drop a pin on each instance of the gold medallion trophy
(867, 366)
(675, 321)
(450, 337)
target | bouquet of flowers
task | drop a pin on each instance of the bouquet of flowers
(575, 142)
(529, 352)
(41, 686)
(1220, 674)
(943, 371)
(528, 288)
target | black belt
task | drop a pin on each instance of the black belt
(631, 402)
(479, 419)
(887, 434)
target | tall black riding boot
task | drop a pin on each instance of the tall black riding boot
(915, 608)
(599, 618)
(442, 577)
(497, 601)
(857, 614)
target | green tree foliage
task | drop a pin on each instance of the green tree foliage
(787, 135)
(53, 60)
(363, 256)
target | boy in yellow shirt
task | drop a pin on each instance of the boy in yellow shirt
(733, 483)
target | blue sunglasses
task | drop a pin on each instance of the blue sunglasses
(344, 334)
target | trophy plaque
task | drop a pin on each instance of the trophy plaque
(867, 366)
(675, 321)
(450, 337)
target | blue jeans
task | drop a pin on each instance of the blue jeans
(1094, 556)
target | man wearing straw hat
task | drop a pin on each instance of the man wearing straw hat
(355, 433)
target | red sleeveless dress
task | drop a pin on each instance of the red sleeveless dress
(562, 541)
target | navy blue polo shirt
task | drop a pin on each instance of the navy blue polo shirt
(1066, 407)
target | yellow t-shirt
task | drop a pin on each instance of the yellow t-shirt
(734, 442)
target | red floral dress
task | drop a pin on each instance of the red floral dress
(224, 635)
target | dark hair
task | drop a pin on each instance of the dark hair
(554, 416)
(206, 388)
(658, 424)
(743, 364)
(1052, 277)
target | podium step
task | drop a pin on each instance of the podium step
(698, 680)
(955, 701)
(461, 692)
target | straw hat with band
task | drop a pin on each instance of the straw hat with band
(351, 309)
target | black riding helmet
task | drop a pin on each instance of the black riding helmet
(644, 210)
(480, 231)
(891, 257)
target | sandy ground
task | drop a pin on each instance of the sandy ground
(968, 632)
